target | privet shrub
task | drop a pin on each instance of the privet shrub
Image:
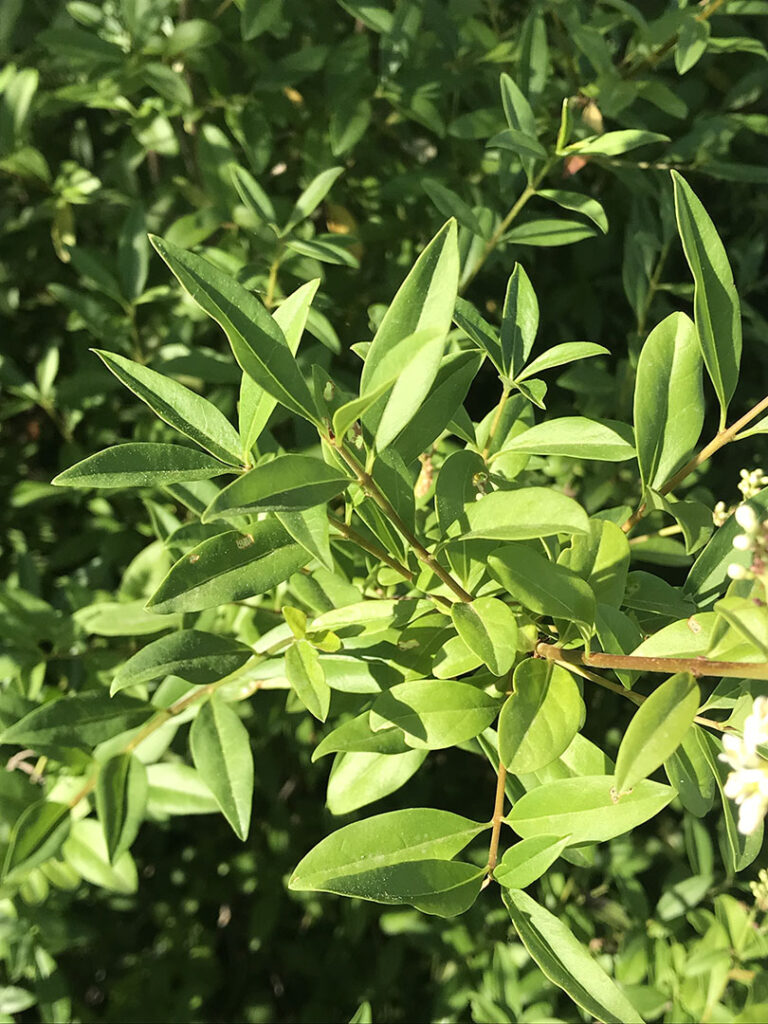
(425, 543)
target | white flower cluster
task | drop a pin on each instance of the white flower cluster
(752, 483)
(747, 784)
(753, 539)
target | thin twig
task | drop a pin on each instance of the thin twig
(719, 441)
(498, 815)
(637, 663)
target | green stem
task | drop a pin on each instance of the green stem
(372, 489)
(496, 420)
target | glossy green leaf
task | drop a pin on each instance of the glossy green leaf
(576, 437)
(452, 205)
(305, 674)
(121, 800)
(566, 962)
(515, 141)
(669, 399)
(229, 567)
(38, 834)
(709, 573)
(256, 405)
(384, 841)
(358, 778)
(186, 411)
(190, 654)
(253, 195)
(355, 409)
(541, 586)
(540, 718)
(656, 730)
(524, 514)
(527, 860)
(748, 619)
(519, 115)
(310, 529)
(601, 557)
(434, 713)
(615, 143)
(221, 750)
(177, 789)
(586, 808)
(312, 196)
(488, 627)
(486, 338)
(82, 720)
(715, 302)
(356, 734)
(549, 232)
(144, 464)
(519, 322)
(558, 355)
(739, 850)
(691, 43)
(257, 340)
(423, 306)
(578, 203)
(325, 249)
(86, 851)
(288, 483)
(689, 771)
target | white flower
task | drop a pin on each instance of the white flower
(756, 725)
(749, 789)
(746, 518)
(742, 542)
(738, 572)
(747, 784)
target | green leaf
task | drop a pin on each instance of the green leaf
(576, 437)
(423, 303)
(13, 1000)
(517, 142)
(253, 195)
(310, 529)
(356, 734)
(656, 730)
(748, 619)
(177, 789)
(540, 718)
(133, 253)
(691, 775)
(311, 197)
(221, 750)
(434, 713)
(600, 557)
(488, 627)
(519, 115)
(258, 342)
(144, 464)
(739, 850)
(527, 860)
(541, 586)
(691, 43)
(197, 657)
(519, 322)
(256, 405)
(305, 674)
(229, 567)
(558, 355)
(615, 143)
(384, 841)
(452, 205)
(586, 809)
(566, 963)
(578, 203)
(524, 514)
(184, 410)
(549, 232)
(467, 318)
(82, 720)
(715, 300)
(86, 851)
(121, 800)
(325, 249)
(288, 483)
(359, 778)
(37, 835)
(709, 573)
(355, 409)
(669, 400)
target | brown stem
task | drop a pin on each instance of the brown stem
(528, 192)
(696, 666)
(371, 488)
(608, 684)
(498, 815)
(720, 439)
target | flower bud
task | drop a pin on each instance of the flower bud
(742, 542)
(746, 518)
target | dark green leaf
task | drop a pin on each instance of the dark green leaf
(121, 800)
(141, 465)
(37, 835)
(196, 657)
(82, 720)
(288, 483)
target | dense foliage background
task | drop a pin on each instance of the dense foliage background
(126, 116)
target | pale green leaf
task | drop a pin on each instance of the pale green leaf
(489, 629)
(221, 750)
(434, 713)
